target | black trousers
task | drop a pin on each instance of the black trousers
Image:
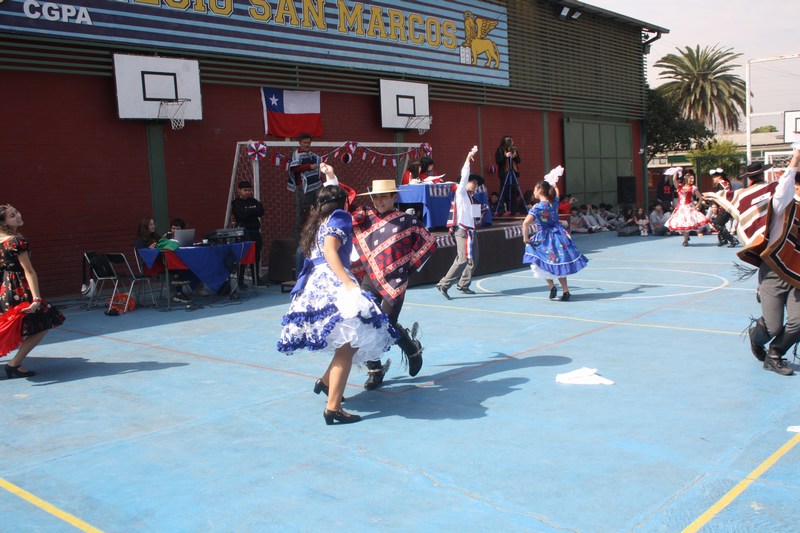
(719, 222)
(393, 312)
(255, 236)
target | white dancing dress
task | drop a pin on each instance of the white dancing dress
(323, 315)
(685, 217)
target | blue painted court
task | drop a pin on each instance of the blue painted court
(190, 421)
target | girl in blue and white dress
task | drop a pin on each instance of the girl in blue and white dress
(549, 249)
(329, 313)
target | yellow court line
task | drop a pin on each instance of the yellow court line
(714, 510)
(41, 504)
(576, 319)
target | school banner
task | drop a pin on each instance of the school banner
(460, 40)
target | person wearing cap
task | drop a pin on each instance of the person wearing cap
(391, 245)
(720, 221)
(464, 213)
(247, 211)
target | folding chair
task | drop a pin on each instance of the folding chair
(102, 271)
(143, 272)
(124, 272)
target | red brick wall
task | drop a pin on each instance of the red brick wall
(80, 175)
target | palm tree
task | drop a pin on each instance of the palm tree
(702, 86)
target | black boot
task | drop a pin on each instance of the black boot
(758, 326)
(376, 372)
(776, 363)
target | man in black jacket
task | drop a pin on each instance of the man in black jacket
(248, 212)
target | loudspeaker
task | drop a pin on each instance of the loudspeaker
(626, 190)
(282, 254)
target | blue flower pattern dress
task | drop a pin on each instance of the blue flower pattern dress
(315, 318)
(551, 248)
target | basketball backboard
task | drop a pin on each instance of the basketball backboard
(791, 126)
(143, 82)
(402, 100)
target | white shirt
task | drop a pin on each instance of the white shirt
(463, 201)
(782, 199)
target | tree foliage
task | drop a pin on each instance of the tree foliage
(702, 85)
(766, 129)
(666, 128)
(716, 154)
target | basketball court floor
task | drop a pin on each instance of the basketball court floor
(192, 421)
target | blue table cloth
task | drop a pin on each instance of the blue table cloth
(211, 264)
(436, 199)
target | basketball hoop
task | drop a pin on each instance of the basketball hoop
(173, 110)
(421, 123)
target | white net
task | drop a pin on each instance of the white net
(173, 110)
(265, 165)
(421, 123)
(779, 162)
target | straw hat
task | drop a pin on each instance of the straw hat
(381, 187)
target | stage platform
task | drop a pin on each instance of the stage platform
(500, 248)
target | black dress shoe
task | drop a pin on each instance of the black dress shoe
(553, 293)
(319, 386)
(340, 417)
(14, 372)
(466, 290)
(565, 297)
(443, 291)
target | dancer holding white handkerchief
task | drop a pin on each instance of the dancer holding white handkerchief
(548, 247)
(328, 311)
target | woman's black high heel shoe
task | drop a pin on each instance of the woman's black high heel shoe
(319, 386)
(339, 416)
(565, 297)
(14, 372)
(553, 293)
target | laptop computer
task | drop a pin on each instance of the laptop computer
(185, 237)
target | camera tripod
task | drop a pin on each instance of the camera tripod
(509, 182)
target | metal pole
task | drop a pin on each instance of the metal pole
(748, 135)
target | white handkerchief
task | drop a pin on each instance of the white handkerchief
(583, 376)
(793, 429)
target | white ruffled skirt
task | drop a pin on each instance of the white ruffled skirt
(324, 316)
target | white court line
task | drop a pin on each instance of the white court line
(724, 284)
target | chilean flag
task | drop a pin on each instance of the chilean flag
(290, 113)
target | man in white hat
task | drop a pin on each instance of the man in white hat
(391, 245)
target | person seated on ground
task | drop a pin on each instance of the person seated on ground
(494, 198)
(605, 214)
(565, 207)
(658, 219)
(589, 212)
(579, 223)
(626, 223)
(146, 236)
(528, 200)
(412, 175)
(642, 221)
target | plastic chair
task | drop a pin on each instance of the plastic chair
(102, 270)
(124, 271)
